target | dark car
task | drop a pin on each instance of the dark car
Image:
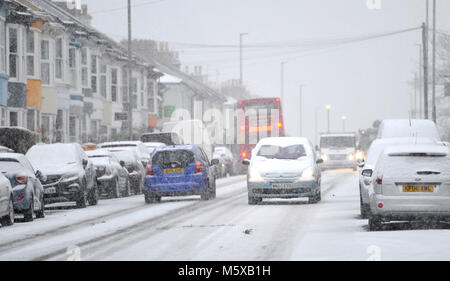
(27, 189)
(136, 171)
(168, 138)
(112, 176)
(180, 170)
(70, 175)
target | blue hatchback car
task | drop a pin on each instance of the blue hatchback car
(180, 170)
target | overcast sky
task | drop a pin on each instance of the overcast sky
(364, 81)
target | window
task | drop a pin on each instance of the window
(151, 96)
(13, 119)
(72, 126)
(13, 52)
(2, 47)
(45, 62)
(114, 84)
(141, 82)
(73, 67)
(59, 59)
(2, 116)
(30, 49)
(94, 73)
(84, 68)
(103, 86)
(134, 88)
(30, 119)
(124, 85)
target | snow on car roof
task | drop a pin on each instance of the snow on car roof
(392, 128)
(283, 141)
(416, 148)
(338, 135)
(11, 155)
(98, 152)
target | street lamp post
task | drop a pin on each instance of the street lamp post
(328, 108)
(241, 76)
(301, 109)
(282, 80)
(343, 122)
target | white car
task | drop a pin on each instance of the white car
(152, 146)
(283, 167)
(6, 202)
(412, 182)
(366, 167)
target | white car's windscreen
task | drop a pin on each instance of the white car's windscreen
(282, 152)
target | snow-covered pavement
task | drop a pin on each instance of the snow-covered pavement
(226, 228)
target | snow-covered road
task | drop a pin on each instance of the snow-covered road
(226, 228)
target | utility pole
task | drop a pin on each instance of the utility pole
(328, 108)
(343, 123)
(241, 76)
(130, 94)
(415, 95)
(425, 69)
(301, 109)
(316, 109)
(433, 107)
(420, 81)
(282, 81)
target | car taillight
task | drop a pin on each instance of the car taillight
(20, 198)
(244, 154)
(149, 170)
(379, 180)
(22, 179)
(198, 168)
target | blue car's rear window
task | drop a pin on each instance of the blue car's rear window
(173, 158)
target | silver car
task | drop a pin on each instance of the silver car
(412, 182)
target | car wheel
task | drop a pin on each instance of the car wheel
(316, 198)
(29, 214)
(364, 208)
(114, 189)
(254, 200)
(127, 191)
(8, 219)
(41, 213)
(207, 192)
(82, 198)
(374, 223)
(151, 198)
(213, 190)
(93, 195)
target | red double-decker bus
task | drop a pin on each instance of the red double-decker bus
(262, 118)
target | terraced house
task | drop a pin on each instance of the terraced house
(68, 82)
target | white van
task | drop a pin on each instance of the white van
(404, 128)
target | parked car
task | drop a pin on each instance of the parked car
(152, 146)
(6, 202)
(141, 149)
(112, 176)
(367, 166)
(283, 167)
(226, 161)
(400, 128)
(180, 170)
(70, 175)
(25, 182)
(168, 138)
(411, 183)
(5, 149)
(136, 171)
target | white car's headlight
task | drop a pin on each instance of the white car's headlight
(307, 173)
(254, 175)
(324, 157)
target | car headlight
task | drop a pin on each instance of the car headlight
(359, 155)
(307, 174)
(254, 175)
(351, 157)
(324, 157)
(70, 178)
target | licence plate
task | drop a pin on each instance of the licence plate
(281, 185)
(174, 171)
(50, 190)
(418, 188)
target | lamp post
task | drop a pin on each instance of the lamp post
(328, 108)
(241, 75)
(343, 122)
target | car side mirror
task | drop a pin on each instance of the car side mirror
(246, 162)
(122, 163)
(214, 162)
(360, 163)
(319, 161)
(367, 173)
(40, 176)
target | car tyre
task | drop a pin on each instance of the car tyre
(127, 191)
(29, 214)
(254, 200)
(114, 189)
(316, 198)
(151, 198)
(82, 198)
(41, 213)
(375, 223)
(8, 219)
(93, 195)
